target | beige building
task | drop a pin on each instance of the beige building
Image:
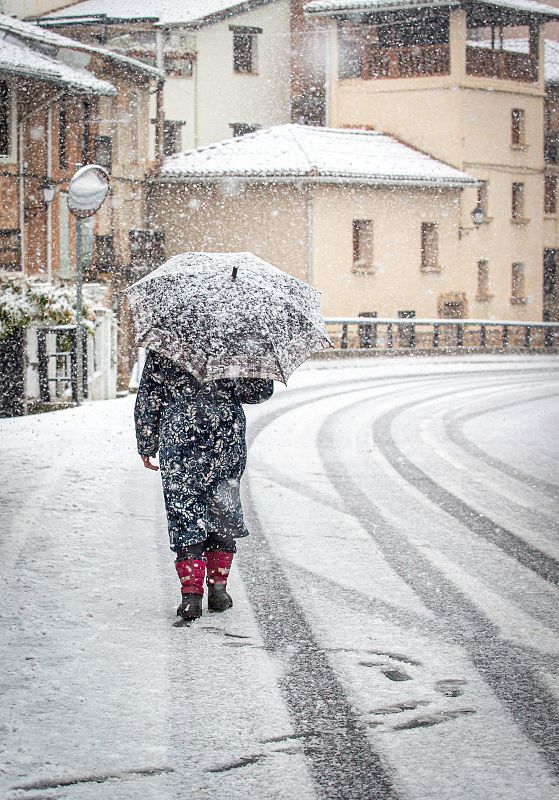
(439, 78)
(371, 223)
(227, 63)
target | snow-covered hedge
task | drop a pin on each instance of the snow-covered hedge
(28, 301)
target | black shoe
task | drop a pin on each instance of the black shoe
(218, 598)
(190, 607)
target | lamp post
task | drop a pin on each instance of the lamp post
(87, 192)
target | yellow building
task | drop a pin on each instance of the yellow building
(440, 78)
(371, 223)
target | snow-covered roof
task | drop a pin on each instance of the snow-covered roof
(17, 58)
(299, 151)
(162, 12)
(551, 57)
(326, 7)
(31, 32)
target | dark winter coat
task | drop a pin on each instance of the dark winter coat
(199, 431)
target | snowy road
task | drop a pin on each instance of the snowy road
(395, 629)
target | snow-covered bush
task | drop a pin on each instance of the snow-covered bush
(28, 301)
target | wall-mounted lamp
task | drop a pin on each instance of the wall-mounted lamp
(48, 191)
(478, 218)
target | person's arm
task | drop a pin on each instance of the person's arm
(147, 411)
(253, 390)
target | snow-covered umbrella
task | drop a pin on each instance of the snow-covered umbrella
(226, 315)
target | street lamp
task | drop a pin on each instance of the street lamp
(87, 192)
(478, 218)
(48, 192)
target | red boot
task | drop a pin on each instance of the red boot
(191, 572)
(219, 564)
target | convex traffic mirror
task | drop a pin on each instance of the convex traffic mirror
(88, 189)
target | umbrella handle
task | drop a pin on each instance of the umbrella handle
(235, 270)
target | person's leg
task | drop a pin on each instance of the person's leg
(225, 522)
(190, 565)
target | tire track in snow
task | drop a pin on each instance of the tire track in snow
(342, 761)
(501, 664)
(513, 545)
(454, 424)
(340, 755)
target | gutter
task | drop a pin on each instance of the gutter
(320, 180)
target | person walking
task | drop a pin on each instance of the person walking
(198, 429)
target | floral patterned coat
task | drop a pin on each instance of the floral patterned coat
(199, 431)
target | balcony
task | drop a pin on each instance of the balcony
(374, 62)
(405, 62)
(485, 62)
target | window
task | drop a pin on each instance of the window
(518, 284)
(483, 198)
(244, 48)
(147, 250)
(483, 294)
(550, 194)
(178, 65)
(172, 137)
(5, 119)
(9, 249)
(551, 148)
(104, 254)
(104, 152)
(430, 247)
(517, 127)
(518, 202)
(242, 128)
(62, 135)
(453, 305)
(363, 245)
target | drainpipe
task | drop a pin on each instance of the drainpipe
(159, 108)
(159, 119)
(195, 68)
(21, 196)
(309, 236)
(49, 205)
(328, 61)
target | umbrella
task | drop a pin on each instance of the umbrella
(227, 315)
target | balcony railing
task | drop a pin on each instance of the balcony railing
(406, 62)
(484, 62)
(386, 334)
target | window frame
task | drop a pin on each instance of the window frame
(430, 264)
(518, 202)
(518, 127)
(63, 133)
(250, 34)
(518, 283)
(483, 287)
(172, 129)
(550, 194)
(10, 157)
(361, 228)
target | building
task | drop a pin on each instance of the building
(372, 223)
(437, 76)
(63, 104)
(227, 62)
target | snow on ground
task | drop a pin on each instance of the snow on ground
(395, 630)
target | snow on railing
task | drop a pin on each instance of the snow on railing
(390, 333)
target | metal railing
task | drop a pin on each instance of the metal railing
(439, 335)
(63, 357)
